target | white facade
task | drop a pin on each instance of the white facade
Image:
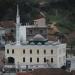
(48, 56)
(22, 34)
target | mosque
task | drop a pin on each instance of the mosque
(34, 50)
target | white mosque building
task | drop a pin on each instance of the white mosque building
(38, 52)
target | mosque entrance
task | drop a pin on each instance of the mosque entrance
(11, 60)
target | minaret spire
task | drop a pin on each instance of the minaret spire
(18, 16)
(17, 26)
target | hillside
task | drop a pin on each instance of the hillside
(60, 11)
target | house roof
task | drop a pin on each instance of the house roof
(24, 73)
(51, 71)
(38, 37)
(7, 24)
(41, 15)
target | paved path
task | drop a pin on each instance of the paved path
(7, 73)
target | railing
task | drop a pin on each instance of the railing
(33, 66)
(9, 65)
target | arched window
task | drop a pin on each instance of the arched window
(30, 59)
(44, 51)
(51, 51)
(44, 60)
(38, 51)
(37, 59)
(51, 60)
(23, 59)
(30, 51)
(7, 51)
(23, 51)
(12, 51)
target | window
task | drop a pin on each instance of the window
(44, 51)
(7, 51)
(41, 31)
(51, 51)
(45, 60)
(30, 31)
(37, 51)
(30, 51)
(30, 59)
(12, 30)
(51, 60)
(36, 23)
(23, 59)
(23, 51)
(12, 51)
(37, 59)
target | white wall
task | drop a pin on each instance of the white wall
(18, 54)
(22, 33)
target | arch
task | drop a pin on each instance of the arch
(11, 60)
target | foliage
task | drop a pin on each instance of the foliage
(60, 11)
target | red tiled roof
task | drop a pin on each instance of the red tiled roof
(7, 24)
(23, 73)
(73, 72)
(39, 17)
(55, 71)
(50, 72)
(72, 35)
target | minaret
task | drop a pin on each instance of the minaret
(17, 27)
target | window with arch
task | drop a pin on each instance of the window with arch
(23, 51)
(7, 51)
(44, 51)
(51, 60)
(37, 51)
(23, 59)
(45, 60)
(12, 51)
(30, 31)
(37, 59)
(41, 31)
(30, 51)
(30, 59)
(52, 51)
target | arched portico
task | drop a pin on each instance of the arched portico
(11, 60)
